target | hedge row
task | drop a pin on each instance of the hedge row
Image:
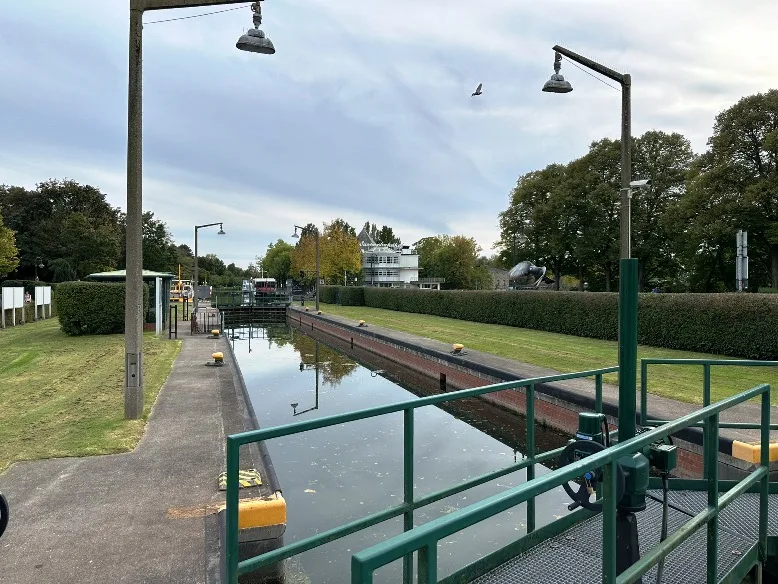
(344, 295)
(93, 308)
(737, 325)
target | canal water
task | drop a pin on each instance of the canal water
(339, 474)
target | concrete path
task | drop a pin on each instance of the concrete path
(106, 519)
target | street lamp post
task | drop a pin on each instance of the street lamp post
(255, 41)
(624, 524)
(318, 259)
(196, 273)
(38, 264)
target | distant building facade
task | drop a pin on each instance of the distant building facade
(500, 280)
(387, 266)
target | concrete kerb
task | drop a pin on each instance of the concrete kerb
(691, 439)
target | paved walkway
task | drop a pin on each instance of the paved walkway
(106, 519)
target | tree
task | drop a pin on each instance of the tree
(386, 236)
(340, 252)
(304, 256)
(277, 261)
(453, 258)
(89, 244)
(160, 254)
(8, 253)
(736, 182)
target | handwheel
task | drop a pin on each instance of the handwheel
(589, 481)
(4, 514)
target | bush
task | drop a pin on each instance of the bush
(93, 308)
(738, 325)
(328, 294)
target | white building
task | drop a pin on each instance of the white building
(387, 266)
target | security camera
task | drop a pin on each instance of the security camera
(640, 184)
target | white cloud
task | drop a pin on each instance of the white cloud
(365, 111)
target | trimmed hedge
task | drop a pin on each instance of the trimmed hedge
(738, 325)
(343, 295)
(93, 308)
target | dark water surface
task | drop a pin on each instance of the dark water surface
(339, 474)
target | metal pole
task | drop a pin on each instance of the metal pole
(195, 282)
(626, 165)
(133, 324)
(318, 276)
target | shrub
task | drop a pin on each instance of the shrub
(328, 294)
(93, 308)
(738, 325)
(351, 295)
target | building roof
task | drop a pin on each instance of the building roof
(364, 238)
(122, 275)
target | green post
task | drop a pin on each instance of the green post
(628, 346)
(598, 393)
(764, 483)
(712, 476)
(408, 487)
(233, 463)
(706, 385)
(609, 524)
(643, 393)
(531, 453)
(428, 564)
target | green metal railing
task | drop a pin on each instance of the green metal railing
(235, 441)
(424, 539)
(706, 369)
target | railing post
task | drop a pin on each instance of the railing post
(712, 470)
(530, 395)
(598, 393)
(428, 564)
(764, 483)
(408, 488)
(706, 385)
(643, 393)
(609, 524)
(231, 543)
(706, 403)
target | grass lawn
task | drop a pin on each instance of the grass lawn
(567, 353)
(63, 396)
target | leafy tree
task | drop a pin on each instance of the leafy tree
(340, 251)
(160, 253)
(8, 252)
(277, 261)
(453, 258)
(386, 236)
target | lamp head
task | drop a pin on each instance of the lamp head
(221, 230)
(255, 41)
(557, 83)
(522, 238)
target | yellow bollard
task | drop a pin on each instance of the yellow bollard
(457, 348)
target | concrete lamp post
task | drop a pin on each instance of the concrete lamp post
(318, 260)
(133, 314)
(196, 272)
(624, 524)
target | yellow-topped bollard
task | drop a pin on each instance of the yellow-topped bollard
(215, 332)
(457, 348)
(218, 357)
(318, 312)
(307, 309)
(361, 323)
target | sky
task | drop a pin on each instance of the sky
(364, 112)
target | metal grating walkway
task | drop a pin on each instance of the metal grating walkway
(575, 556)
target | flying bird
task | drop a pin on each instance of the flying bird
(477, 90)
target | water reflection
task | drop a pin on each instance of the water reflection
(346, 472)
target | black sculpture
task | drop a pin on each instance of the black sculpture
(522, 273)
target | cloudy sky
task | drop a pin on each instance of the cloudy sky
(364, 112)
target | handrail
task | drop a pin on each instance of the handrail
(235, 441)
(706, 365)
(424, 539)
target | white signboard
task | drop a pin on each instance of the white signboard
(38, 296)
(8, 298)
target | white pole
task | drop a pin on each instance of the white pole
(158, 305)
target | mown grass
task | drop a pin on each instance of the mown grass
(63, 396)
(567, 353)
